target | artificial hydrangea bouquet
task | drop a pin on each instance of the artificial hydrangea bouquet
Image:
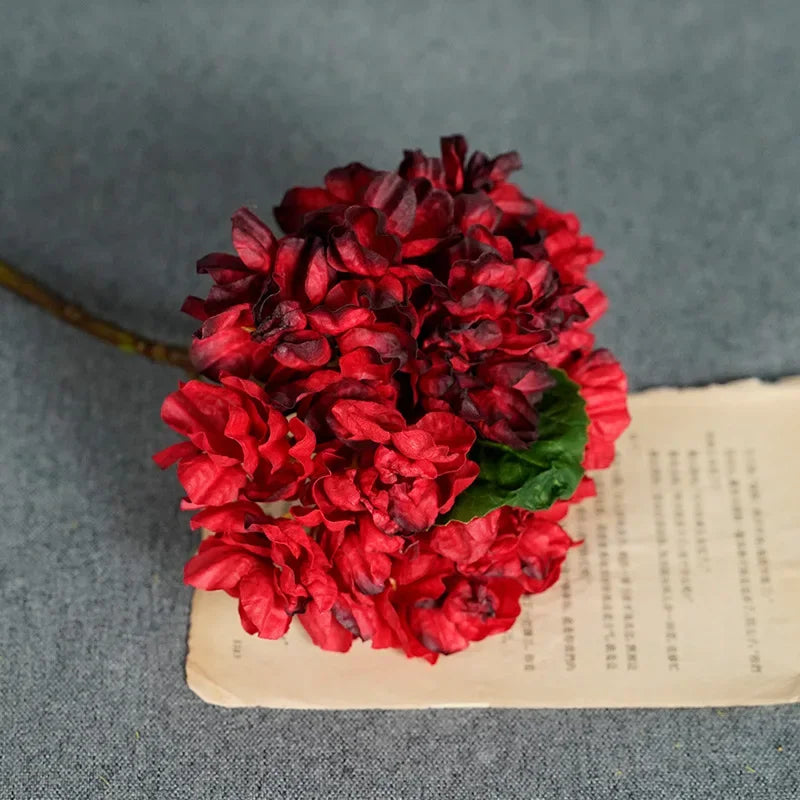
(411, 370)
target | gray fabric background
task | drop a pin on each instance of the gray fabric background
(128, 134)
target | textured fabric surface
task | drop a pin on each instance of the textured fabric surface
(128, 134)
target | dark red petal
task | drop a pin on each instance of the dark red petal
(362, 245)
(297, 203)
(317, 278)
(483, 173)
(348, 255)
(480, 302)
(333, 322)
(195, 307)
(231, 350)
(234, 283)
(395, 197)
(476, 209)
(253, 240)
(285, 317)
(348, 184)
(415, 248)
(302, 273)
(454, 149)
(303, 350)
(222, 267)
(365, 364)
(416, 164)
(388, 341)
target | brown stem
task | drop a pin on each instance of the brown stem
(15, 281)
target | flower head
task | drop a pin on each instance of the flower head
(271, 565)
(403, 476)
(418, 336)
(238, 445)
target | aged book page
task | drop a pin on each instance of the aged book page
(686, 591)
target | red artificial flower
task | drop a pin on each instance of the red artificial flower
(493, 297)
(509, 543)
(363, 555)
(432, 610)
(272, 565)
(238, 444)
(356, 360)
(470, 611)
(237, 279)
(224, 342)
(429, 610)
(604, 387)
(570, 252)
(404, 482)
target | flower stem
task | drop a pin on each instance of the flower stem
(34, 292)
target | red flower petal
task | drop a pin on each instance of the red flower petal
(454, 149)
(388, 341)
(416, 164)
(303, 350)
(362, 420)
(365, 364)
(253, 240)
(348, 184)
(261, 609)
(484, 173)
(224, 344)
(333, 322)
(465, 542)
(362, 246)
(169, 455)
(297, 203)
(395, 197)
(217, 566)
(325, 631)
(604, 387)
(477, 209)
(511, 201)
(434, 212)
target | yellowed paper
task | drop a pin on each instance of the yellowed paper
(685, 593)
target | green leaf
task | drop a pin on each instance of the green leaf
(549, 470)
